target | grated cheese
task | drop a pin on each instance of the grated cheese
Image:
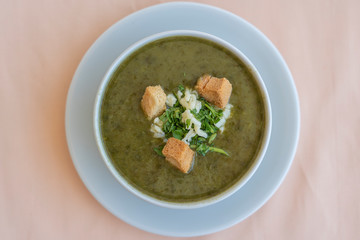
(156, 128)
(170, 100)
(226, 114)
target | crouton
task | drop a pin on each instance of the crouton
(215, 90)
(153, 101)
(178, 154)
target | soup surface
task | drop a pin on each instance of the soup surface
(125, 130)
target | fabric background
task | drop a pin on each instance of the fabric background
(41, 194)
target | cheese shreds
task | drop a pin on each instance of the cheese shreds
(156, 128)
(189, 136)
(170, 100)
(226, 114)
(189, 101)
(194, 123)
(158, 122)
(179, 94)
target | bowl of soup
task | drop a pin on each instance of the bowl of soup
(126, 142)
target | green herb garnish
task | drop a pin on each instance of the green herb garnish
(178, 133)
(208, 116)
(181, 88)
(158, 150)
(212, 138)
(218, 150)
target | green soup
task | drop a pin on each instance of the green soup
(126, 131)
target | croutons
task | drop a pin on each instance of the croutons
(215, 90)
(153, 101)
(178, 154)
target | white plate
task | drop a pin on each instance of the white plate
(284, 104)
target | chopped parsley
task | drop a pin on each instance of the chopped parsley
(173, 126)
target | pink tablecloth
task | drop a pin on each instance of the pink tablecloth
(41, 194)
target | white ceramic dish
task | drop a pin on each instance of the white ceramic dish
(97, 112)
(285, 120)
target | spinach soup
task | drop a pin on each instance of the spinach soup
(125, 131)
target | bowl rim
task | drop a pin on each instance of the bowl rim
(101, 146)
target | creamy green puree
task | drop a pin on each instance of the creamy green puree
(129, 142)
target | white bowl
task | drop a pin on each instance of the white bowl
(97, 110)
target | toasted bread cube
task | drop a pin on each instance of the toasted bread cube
(178, 154)
(153, 101)
(215, 90)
